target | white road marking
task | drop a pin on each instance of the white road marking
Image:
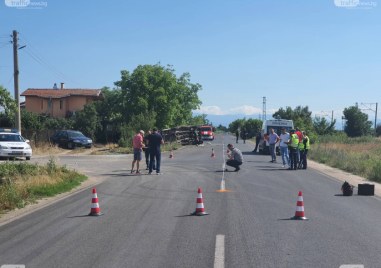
(223, 168)
(219, 255)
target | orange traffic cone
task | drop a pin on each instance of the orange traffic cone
(95, 210)
(213, 155)
(299, 213)
(171, 154)
(200, 210)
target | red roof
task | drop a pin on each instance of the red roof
(61, 93)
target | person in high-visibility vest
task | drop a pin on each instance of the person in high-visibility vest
(304, 150)
(293, 146)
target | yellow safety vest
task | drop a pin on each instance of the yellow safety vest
(307, 143)
(294, 141)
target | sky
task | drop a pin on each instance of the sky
(322, 54)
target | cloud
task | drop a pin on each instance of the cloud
(245, 109)
(216, 110)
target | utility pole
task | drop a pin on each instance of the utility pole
(16, 80)
(264, 109)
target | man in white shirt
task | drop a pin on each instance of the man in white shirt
(283, 145)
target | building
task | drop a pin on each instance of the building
(59, 102)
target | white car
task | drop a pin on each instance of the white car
(13, 145)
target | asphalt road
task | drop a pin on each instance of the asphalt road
(147, 222)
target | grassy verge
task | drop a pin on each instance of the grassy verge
(360, 156)
(22, 183)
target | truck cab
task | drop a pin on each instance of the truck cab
(206, 132)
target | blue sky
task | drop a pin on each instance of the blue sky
(309, 53)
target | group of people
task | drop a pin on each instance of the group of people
(293, 147)
(151, 145)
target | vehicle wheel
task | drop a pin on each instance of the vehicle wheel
(27, 158)
(70, 145)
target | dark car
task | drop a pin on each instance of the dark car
(71, 139)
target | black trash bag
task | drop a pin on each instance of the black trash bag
(347, 189)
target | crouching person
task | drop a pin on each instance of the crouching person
(236, 157)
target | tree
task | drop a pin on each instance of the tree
(87, 120)
(8, 105)
(250, 126)
(378, 130)
(155, 90)
(323, 127)
(357, 123)
(110, 114)
(301, 116)
(236, 124)
(199, 120)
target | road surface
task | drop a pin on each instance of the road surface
(147, 221)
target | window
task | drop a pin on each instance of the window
(42, 104)
(61, 104)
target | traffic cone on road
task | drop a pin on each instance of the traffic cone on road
(299, 213)
(213, 155)
(171, 154)
(200, 210)
(95, 210)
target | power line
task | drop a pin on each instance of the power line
(32, 52)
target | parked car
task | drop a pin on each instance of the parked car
(71, 139)
(13, 145)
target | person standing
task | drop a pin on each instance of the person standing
(304, 151)
(300, 136)
(137, 144)
(273, 139)
(155, 140)
(283, 145)
(236, 158)
(244, 135)
(293, 143)
(257, 140)
(237, 135)
(146, 150)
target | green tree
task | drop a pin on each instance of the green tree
(87, 121)
(301, 116)
(8, 106)
(199, 120)
(357, 123)
(378, 130)
(323, 127)
(222, 128)
(236, 124)
(251, 126)
(155, 90)
(110, 114)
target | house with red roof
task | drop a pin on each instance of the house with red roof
(59, 102)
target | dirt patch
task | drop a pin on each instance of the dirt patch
(96, 149)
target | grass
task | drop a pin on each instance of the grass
(23, 183)
(360, 156)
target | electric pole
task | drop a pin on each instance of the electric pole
(16, 81)
(264, 109)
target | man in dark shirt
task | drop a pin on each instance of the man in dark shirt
(155, 140)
